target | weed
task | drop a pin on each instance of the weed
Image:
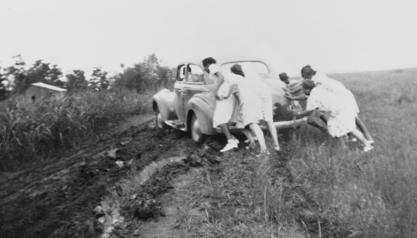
(31, 132)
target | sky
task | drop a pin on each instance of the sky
(330, 35)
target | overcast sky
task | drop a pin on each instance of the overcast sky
(333, 36)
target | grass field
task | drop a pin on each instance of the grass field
(372, 194)
(318, 186)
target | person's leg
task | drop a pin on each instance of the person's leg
(250, 138)
(361, 126)
(260, 135)
(361, 137)
(226, 132)
(232, 142)
(274, 134)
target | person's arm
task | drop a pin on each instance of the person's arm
(304, 113)
(297, 98)
(232, 89)
(220, 78)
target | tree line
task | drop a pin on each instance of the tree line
(143, 76)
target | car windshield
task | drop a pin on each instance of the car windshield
(250, 68)
(195, 74)
(195, 69)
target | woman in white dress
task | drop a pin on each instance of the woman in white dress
(255, 105)
(336, 87)
(341, 111)
(226, 102)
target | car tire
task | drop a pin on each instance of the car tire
(196, 134)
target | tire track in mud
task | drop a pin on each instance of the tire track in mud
(13, 184)
(130, 206)
(61, 204)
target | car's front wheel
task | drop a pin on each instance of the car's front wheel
(196, 134)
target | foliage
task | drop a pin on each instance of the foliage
(4, 92)
(76, 81)
(99, 80)
(148, 75)
(39, 72)
(144, 76)
(29, 133)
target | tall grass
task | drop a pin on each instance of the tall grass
(30, 132)
(372, 194)
(333, 189)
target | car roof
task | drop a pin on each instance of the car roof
(228, 60)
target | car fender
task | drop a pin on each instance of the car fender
(163, 102)
(202, 105)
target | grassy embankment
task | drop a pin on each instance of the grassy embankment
(30, 133)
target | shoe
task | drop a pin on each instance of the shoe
(367, 147)
(371, 141)
(231, 144)
(277, 148)
(263, 154)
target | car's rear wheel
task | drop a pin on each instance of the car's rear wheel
(196, 134)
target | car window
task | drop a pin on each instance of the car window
(195, 74)
(181, 73)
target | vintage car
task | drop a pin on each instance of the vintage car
(190, 106)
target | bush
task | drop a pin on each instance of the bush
(31, 132)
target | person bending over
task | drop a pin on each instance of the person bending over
(341, 111)
(255, 106)
(332, 85)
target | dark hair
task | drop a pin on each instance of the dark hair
(307, 70)
(308, 84)
(237, 69)
(208, 61)
(283, 76)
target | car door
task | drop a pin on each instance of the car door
(194, 82)
(179, 92)
(190, 81)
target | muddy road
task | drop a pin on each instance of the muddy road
(136, 181)
(57, 198)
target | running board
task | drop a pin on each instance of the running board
(176, 124)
